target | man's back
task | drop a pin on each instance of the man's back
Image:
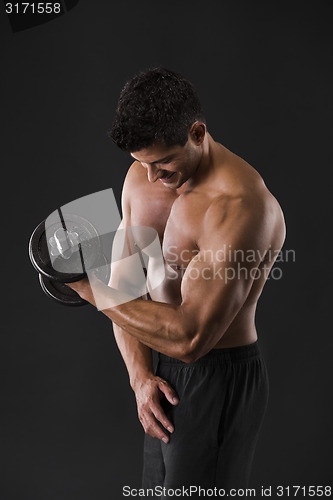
(227, 189)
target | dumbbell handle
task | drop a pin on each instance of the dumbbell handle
(63, 243)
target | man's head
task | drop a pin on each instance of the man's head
(160, 121)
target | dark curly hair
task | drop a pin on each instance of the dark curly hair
(157, 105)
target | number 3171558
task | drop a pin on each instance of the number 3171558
(33, 8)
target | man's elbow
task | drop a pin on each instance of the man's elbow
(191, 350)
(197, 345)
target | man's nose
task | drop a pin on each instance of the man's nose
(152, 172)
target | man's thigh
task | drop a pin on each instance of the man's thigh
(222, 404)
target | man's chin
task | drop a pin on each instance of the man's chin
(174, 184)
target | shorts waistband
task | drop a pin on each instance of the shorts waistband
(218, 356)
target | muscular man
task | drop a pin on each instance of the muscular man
(221, 230)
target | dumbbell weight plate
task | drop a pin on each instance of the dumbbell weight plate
(64, 294)
(65, 270)
(102, 269)
(60, 292)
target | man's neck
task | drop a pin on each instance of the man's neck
(204, 166)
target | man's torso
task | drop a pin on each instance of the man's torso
(178, 217)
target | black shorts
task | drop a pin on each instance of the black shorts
(223, 398)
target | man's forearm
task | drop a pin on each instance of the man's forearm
(137, 356)
(158, 325)
(163, 327)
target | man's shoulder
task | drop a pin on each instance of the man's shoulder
(147, 198)
(135, 175)
(137, 180)
(135, 183)
(240, 189)
(251, 210)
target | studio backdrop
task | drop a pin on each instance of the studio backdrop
(69, 426)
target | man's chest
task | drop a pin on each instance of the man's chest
(177, 219)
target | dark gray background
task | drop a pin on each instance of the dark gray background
(263, 71)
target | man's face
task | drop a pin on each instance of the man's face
(172, 165)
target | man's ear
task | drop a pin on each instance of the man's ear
(198, 132)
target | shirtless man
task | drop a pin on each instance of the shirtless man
(203, 408)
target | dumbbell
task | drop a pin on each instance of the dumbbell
(62, 251)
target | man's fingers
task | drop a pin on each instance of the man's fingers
(152, 428)
(151, 414)
(169, 393)
(161, 417)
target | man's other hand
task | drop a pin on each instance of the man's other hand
(149, 393)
